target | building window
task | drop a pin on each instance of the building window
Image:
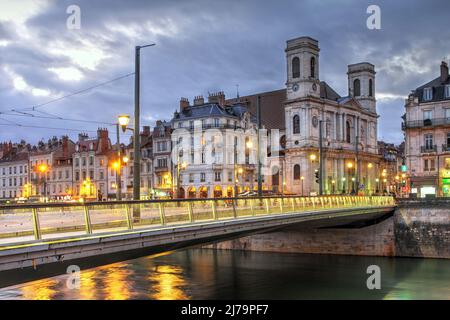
(427, 115)
(428, 141)
(216, 122)
(217, 176)
(296, 67)
(447, 91)
(313, 67)
(427, 94)
(296, 124)
(202, 177)
(348, 135)
(297, 172)
(429, 165)
(447, 163)
(356, 88)
(370, 88)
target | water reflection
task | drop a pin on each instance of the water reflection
(40, 290)
(167, 283)
(209, 274)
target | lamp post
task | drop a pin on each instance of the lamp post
(302, 178)
(136, 142)
(343, 185)
(179, 168)
(350, 167)
(43, 169)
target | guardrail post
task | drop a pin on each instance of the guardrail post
(162, 215)
(190, 212)
(303, 203)
(266, 201)
(233, 202)
(313, 201)
(36, 225)
(129, 218)
(293, 204)
(214, 211)
(87, 220)
(281, 205)
(252, 206)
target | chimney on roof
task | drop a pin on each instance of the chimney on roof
(199, 100)
(65, 146)
(146, 130)
(217, 97)
(184, 103)
(444, 71)
(82, 136)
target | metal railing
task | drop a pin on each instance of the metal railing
(26, 222)
(428, 149)
(426, 123)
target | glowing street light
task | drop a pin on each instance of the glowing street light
(124, 120)
(313, 157)
(350, 165)
(370, 165)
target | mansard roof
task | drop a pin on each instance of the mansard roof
(438, 90)
(211, 110)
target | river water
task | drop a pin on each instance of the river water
(210, 274)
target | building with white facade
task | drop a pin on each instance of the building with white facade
(14, 172)
(427, 136)
(214, 147)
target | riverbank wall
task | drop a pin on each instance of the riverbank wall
(418, 228)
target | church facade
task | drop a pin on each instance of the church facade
(350, 161)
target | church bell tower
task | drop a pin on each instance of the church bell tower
(302, 57)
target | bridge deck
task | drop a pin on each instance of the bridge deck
(41, 234)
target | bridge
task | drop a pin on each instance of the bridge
(41, 234)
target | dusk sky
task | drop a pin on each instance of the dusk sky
(201, 46)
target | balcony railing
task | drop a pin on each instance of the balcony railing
(428, 149)
(161, 169)
(446, 148)
(426, 123)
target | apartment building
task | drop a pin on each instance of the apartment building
(14, 171)
(427, 136)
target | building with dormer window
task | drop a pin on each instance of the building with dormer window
(427, 136)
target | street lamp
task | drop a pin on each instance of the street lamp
(124, 120)
(312, 157)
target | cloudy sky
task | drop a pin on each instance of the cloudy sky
(201, 46)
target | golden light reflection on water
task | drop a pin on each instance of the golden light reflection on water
(88, 286)
(40, 290)
(168, 283)
(116, 282)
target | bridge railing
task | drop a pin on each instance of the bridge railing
(30, 222)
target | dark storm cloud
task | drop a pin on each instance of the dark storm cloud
(207, 46)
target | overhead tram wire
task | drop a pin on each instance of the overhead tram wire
(33, 108)
(21, 111)
(13, 124)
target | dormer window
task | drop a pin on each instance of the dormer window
(427, 94)
(91, 146)
(447, 91)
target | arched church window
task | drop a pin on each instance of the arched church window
(313, 67)
(296, 124)
(297, 172)
(295, 67)
(370, 88)
(356, 88)
(348, 136)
